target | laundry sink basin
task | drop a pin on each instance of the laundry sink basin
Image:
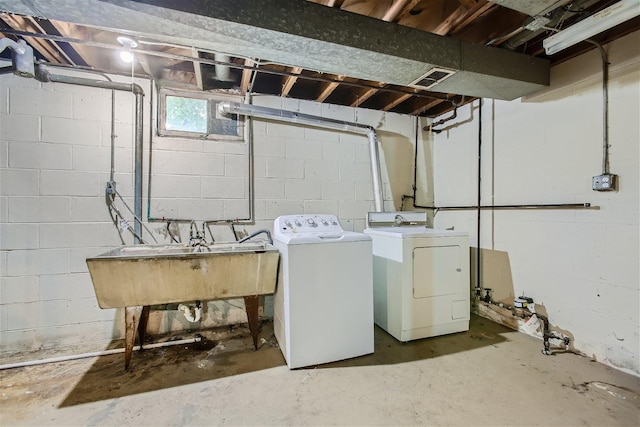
(143, 275)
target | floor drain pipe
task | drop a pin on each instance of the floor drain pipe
(321, 122)
(95, 354)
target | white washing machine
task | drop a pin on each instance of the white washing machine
(420, 276)
(323, 305)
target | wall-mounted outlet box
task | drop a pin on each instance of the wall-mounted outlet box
(604, 182)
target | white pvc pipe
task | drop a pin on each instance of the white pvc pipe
(186, 310)
(95, 354)
(322, 122)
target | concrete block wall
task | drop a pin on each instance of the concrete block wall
(54, 151)
(580, 266)
(54, 163)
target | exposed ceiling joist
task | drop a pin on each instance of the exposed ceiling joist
(244, 47)
(451, 21)
(368, 93)
(49, 49)
(328, 89)
(480, 9)
(89, 55)
(332, 3)
(246, 77)
(289, 81)
(197, 68)
(398, 9)
(395, 102)
(421, 109)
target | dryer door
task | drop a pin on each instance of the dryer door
(436, 271)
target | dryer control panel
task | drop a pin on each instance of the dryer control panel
(308, 223)
(396, 218)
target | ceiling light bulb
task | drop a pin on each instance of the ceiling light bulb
(126, 56)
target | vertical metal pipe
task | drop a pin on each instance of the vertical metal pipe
(605, 110)
(605, 106)
(137, 204)
(415, 162)
(478, 270)
(251, 168)
(378, 199)
(605, 116)
(43, 75)
(151, 132)
(113, 135)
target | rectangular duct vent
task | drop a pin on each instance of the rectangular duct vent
(433, 77)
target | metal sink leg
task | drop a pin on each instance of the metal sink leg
(251, 306)
(132, 320)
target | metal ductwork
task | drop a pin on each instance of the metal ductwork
(311, 36)
(532, 7)
(21, 55)
(320, 122)
(223, 73)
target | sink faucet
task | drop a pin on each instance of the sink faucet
(196, 238)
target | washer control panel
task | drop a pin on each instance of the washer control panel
(308, 223)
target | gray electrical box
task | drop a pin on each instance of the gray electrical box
(604, 182)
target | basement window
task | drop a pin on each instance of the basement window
(190, 114)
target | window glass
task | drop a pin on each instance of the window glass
(191, 114)
(186, 114)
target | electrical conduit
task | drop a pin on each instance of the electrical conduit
(43, 75)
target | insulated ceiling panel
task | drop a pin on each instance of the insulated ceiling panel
(311, 36)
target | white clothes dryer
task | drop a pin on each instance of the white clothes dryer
(421, 276)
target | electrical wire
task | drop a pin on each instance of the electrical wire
(171, 234)
(114, 219)
(111, 194)
(257, 233)
(121, 223)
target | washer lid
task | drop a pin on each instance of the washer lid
(321, 238)
(405, 232)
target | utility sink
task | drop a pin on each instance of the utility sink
(161, 274)
(136, 277)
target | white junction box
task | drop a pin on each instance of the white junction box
(421, 278)
(604, 182)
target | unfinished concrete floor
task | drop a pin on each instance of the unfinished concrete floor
(489, 375)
